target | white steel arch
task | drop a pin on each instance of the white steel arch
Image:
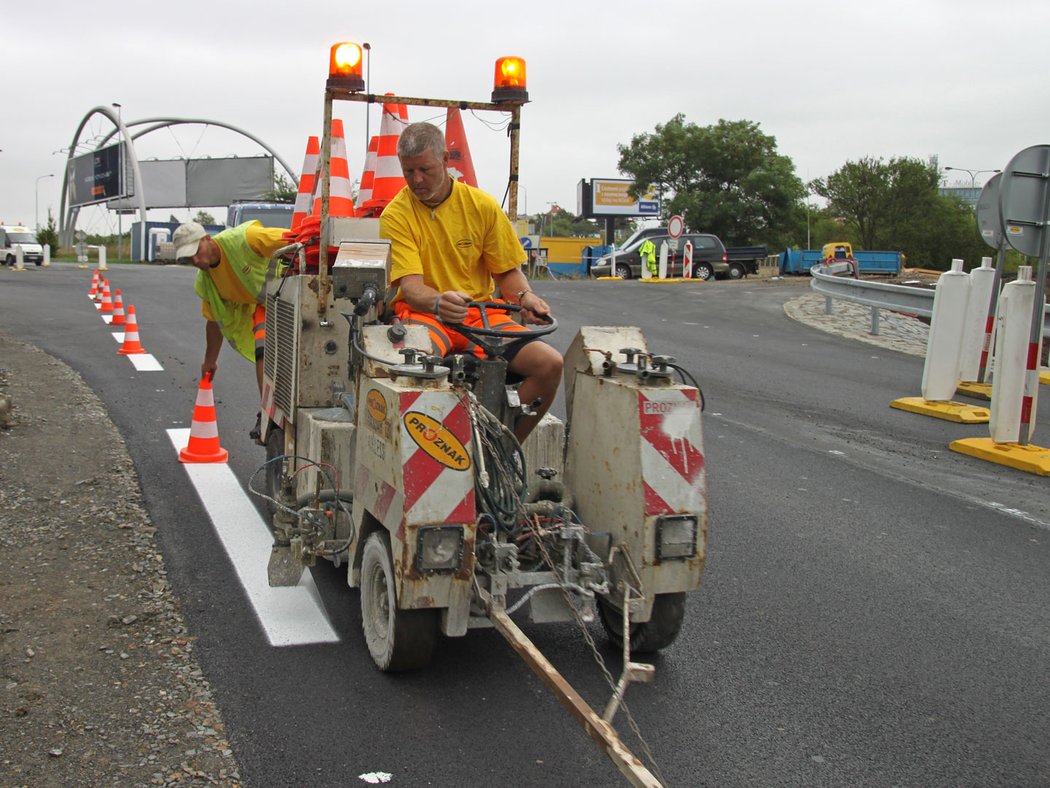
(69, 213)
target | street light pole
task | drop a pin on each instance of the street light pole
(36, 208)
(120, 230)
(368, 90)
(972, 173)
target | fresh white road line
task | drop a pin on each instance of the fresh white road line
(143, 362)
(290, 616)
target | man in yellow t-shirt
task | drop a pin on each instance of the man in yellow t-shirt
(231, 283)
(450, 245)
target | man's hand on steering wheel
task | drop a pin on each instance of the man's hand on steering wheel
(534, 310)
(451, 306)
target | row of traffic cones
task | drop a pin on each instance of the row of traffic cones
(381, 177)
(111, 306)
(203, 444)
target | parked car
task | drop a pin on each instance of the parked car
(709, 257)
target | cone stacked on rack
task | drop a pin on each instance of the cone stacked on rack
(131, 345)
(204, 445)
(118, 309)
(368, 175)
(460, 164)
(94, 285)
(106, 309)
(307, 181)
(388, 177)
(340, 195)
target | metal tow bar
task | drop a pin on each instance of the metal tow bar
(598, 729)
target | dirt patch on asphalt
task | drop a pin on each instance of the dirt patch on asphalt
(98, 680)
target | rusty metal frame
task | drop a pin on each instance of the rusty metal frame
(336, 93)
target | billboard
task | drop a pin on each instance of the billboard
(201, 183)
(610, 197)
(97, 176)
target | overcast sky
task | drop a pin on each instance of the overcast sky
(833, 82)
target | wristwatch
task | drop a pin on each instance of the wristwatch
(522, 294)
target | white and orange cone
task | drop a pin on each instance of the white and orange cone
(107, 301)
(304, 197)
(131, 345)
(94, 285)
(340, 194)
(389, 179)
(368, 175)
(98, 291)
(204, 445)
(460, 164)
(118, 309)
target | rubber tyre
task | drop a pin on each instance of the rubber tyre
(623, 270)
(736, 271)
(659, 632)
(274, 449)
(397, 639)
(703, 271)
(10, 259)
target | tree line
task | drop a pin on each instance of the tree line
(729, 179)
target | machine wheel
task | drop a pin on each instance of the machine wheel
(703, 271)
(736, 271)
(397, 639)
(10, 259)
(623, 270)
(274, 449)
(657, 633)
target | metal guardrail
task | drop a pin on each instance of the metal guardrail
(879, 295)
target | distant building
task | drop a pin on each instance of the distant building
(967, 194)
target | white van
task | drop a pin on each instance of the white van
(15, 236)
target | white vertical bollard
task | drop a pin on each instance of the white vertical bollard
(102, 257)
(1012, 328)
(612, 262)
(687, 260)
(47, 255)
(940, 374)
(981, 282)
(20, 259)
(664, 251)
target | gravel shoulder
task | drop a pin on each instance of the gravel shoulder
(98, 679)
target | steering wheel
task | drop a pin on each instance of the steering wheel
(478, 334)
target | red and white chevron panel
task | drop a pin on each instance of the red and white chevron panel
(672, 451)
(436, 458)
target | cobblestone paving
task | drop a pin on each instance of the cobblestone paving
(896, 332)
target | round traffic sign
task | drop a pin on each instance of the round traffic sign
(526, 242)
(675, 226)
(987, 212)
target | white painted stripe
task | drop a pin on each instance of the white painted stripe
(119, 336)
(289, 616)
(144, 362)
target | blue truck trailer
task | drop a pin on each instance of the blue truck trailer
(799, 261)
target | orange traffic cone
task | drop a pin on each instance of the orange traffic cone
(368, 176)
(107, 301)
(94, 285)
(118, 310)
(340, 195)
(204, 429)
(304, 198)
(98, 291)
(388, 178)
(460, 164)
(131, 335)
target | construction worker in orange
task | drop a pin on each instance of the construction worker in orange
(450, 245)
(231, 282)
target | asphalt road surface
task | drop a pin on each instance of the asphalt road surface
(874, 609)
